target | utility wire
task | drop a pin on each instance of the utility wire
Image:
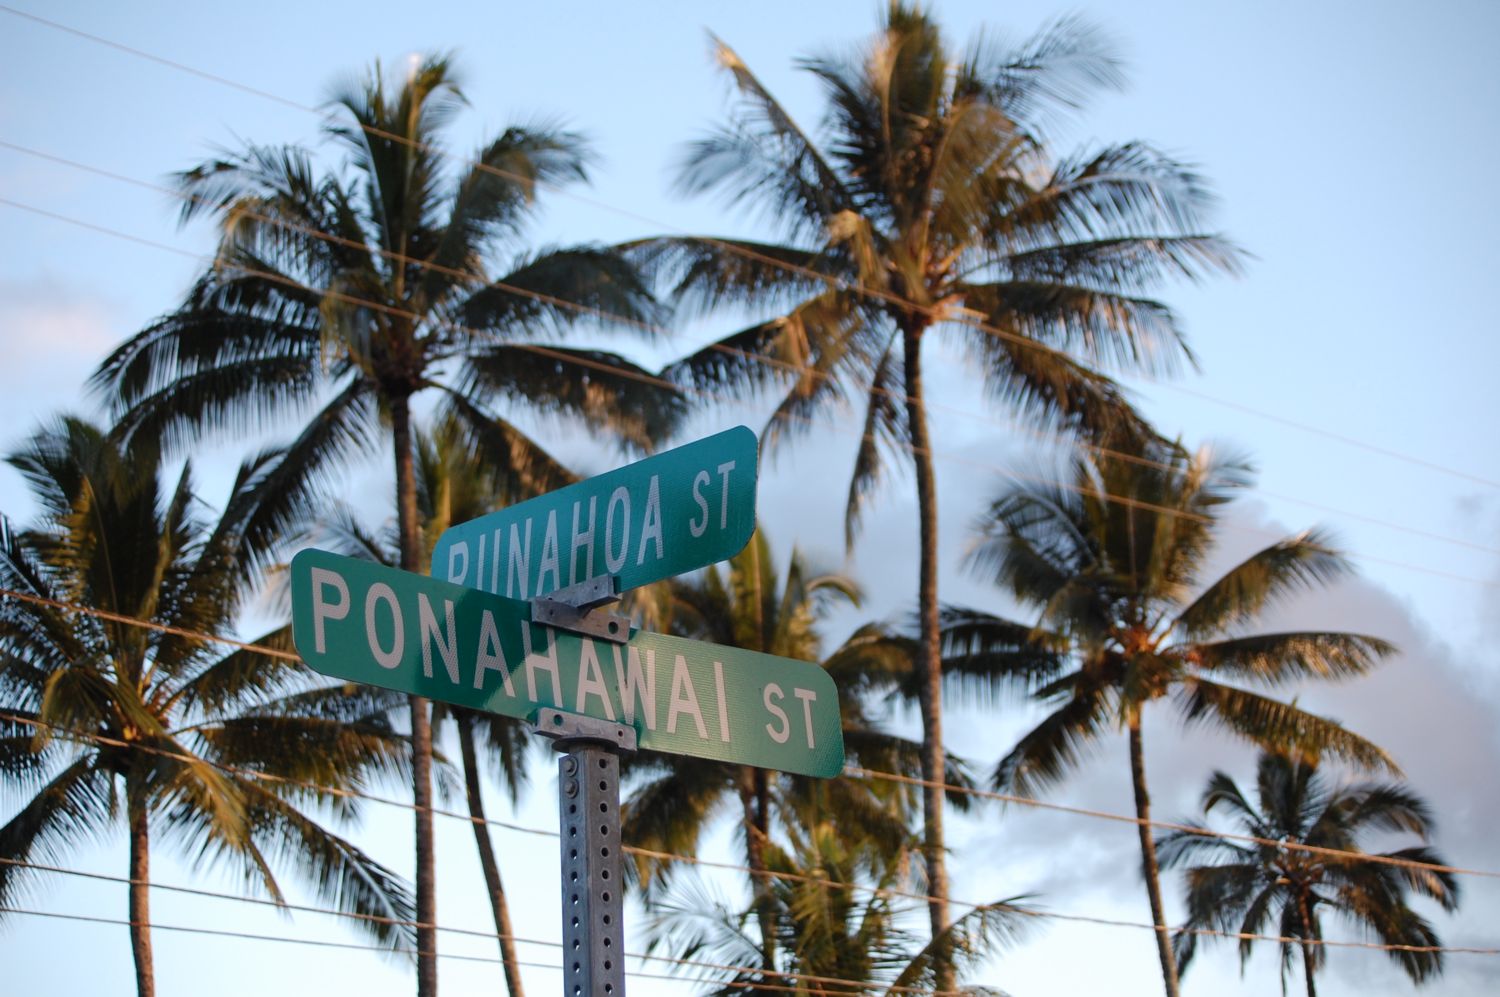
(852, 771)
(785, 367)
(397, 922)
(815, 880)
(564, 357)
(856, 985)
(961, 316)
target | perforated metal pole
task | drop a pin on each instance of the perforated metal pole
(592, 892)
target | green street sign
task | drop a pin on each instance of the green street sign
(368, 623)
(670, 513)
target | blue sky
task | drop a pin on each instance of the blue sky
(1351, 145)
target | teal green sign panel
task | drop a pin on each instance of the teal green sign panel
(662, 516)
(364, 622)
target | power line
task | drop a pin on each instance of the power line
(816, 880)
(688, 962)
(397, 922)
(850, 770)
(562, 357)
(1294, 846)
(786, 367)
(960, 316)
(253, 936)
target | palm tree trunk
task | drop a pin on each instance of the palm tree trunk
(929, 655)
(1308, 955)
(421, 724)
(140, 894)
(1149, 866)
(754, 802)
(487, 862)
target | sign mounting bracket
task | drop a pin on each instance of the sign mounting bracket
(579, 609)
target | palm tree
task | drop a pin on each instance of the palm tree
(360, 289)
(833, 905)
(932, 204)
(99, 711)
(1241, 888)
(452, 487)
(676, 796)
(1113, 561)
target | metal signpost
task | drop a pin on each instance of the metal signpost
(520, 628)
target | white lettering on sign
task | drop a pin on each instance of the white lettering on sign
(520, 560)
(582, 540)
(781, 730)
(458, 560)
(324, 611)
(695, 526)
(591, 682)
(636, 685)
(494, 560)
(490, 657)
(704, 706)
(549, 565)
(541, 662)
(428, 626)
(614, 560)
(381, 592)
(619, 528)
(808, 697)
(724, 470)
(684, 699)
(720, 703)
(785, 731)
(651, 524)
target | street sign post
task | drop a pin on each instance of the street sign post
(368, 623)
(662, 516)
(519, 628)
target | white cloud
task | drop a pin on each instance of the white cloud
(52, 336)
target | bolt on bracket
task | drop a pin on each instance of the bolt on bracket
(578, 608)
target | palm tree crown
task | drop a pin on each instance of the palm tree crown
(452, 487)
(831, 902)
(931, 201)
(758, 608)
(358, 290)
(361, 288)
(101, 712)
(1114, 562)
(1246, 888)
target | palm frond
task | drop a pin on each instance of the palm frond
(1059, 742)
(518, 464)
(341, 875)
(1051, 386)
(1094, 320)
(884, 435)
(556, 289)
(241, 676)
(71, 810)
(970, 940)
(602, 388)
(983, 654)
(1274, 724)
(669, 812)
(1286, 567)
(766, 157)
(1056, 69)
(493, 196)
(1287, 657)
